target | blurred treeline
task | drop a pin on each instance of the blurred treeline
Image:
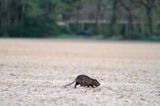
(124, 19)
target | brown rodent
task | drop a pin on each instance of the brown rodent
(84, 80)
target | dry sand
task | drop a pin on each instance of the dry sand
(33, 72)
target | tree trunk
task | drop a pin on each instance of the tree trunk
(113, 18)
(98, 15)
(78, 7)
(128, 7)
(130, 25)
(23, 11)
(5, 18)
(149, 21)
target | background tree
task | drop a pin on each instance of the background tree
(129, 7)
(149, 6)
(99, 14)
(114, 10)
(74, 6)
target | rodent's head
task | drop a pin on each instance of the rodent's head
(95, 82)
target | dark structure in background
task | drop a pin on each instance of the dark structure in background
(130, 18)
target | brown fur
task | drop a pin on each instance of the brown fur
(84, 80)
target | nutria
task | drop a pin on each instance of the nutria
(84, 80)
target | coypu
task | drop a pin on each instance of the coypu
(84, 80)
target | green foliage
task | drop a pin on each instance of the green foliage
(39, 18)
(33, 27)
(151, 38)
(30, 18)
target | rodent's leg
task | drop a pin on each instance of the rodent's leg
(92, 86)
(76, 84)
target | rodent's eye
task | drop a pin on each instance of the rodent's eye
(95, 81)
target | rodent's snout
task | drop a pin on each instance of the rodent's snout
(98, 84)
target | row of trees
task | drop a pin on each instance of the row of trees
(147, 15)
(28, 18)
(38, 18)
(144, 13)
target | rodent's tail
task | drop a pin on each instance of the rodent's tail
(70, 83)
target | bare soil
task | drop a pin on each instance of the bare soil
(33, 72)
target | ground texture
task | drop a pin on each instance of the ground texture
(33, 72)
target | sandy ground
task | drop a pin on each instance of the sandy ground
(33, 72)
